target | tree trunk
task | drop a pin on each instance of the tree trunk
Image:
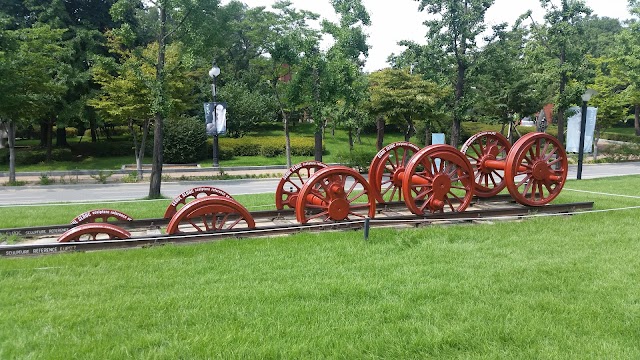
(563, 85)
(316, 114)
(49, 138)
(358, 138)
(4, 135)
(287, 139)
(596, 138)
(43, 133)
(427, 135)
(380, 135)
(61, 137)
(12, 151)
(350, 140)
(317, 150)
(455, 127)
(94, 131)
(411, 129)
(637, 120)
(156, 164)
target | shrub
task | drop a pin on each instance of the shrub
(104, 148)
(357, 159)
(184, 141)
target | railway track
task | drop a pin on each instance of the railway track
(406, 186)
(278, 222)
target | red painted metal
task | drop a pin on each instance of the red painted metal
(93, 232)
(385, 171)
(536, 169)
(438, 178)
(337, 193)
(194, 193)
(210, 213)
(100, 215)
(488, 152)
(293, 180)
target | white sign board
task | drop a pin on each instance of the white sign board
(573, 129)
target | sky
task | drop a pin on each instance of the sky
(395, 20)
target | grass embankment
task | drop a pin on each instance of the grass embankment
(553, 287)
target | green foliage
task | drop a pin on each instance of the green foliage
(246, 108)
(184, 140)
(36, 155)
(45, 180)
(102, 176)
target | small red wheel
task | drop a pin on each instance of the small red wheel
(210, 213)
(385, 172)
(483, 148)
(335, 193)
(293, 180)
(438, 178)
(101, 215)
(93, 232)
(194, 193)
(536, 169)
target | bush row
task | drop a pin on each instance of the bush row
(621, 137)
(268, 146)
(29, 156)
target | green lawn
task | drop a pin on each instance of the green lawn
(552, 288)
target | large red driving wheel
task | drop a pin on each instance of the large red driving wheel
(438, 178)
(194, 193)
(536, 169)
(293, 180)
(483, 148)
(335, 193)
(212, 213)
(93, 232)
(385, 172)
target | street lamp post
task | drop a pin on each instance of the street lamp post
(583, 125)
(213, 73)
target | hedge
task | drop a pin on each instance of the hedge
(268, 146)
(621, 137)
(30, 156)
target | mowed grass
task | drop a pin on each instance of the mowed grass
(554, 288)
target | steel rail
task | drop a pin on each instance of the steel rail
(413, 220)
(33, 231)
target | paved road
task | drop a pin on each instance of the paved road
(109, 192)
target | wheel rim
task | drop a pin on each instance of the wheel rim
(438, 179)
(210, 214)
(292, 182)
(190, 194)
(335, 193)
(101, 215)
(484, 146)
(385, 174)
(536, 169)
(94, 232)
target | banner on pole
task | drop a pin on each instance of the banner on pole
(573, 129)
(215, 124)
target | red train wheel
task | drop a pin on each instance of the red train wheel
(335, 193)
(93, 232)
(293, 180)
(101, 215)
(483, 148)
(190, 194)
(385, 172)
(210, 213)
(438, 178)
(536, 169)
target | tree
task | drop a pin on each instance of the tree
(343, 80)
(398, 95)
(559, 50)
(30, 81)
(502, 77)
(628, 59)
(452, 35)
